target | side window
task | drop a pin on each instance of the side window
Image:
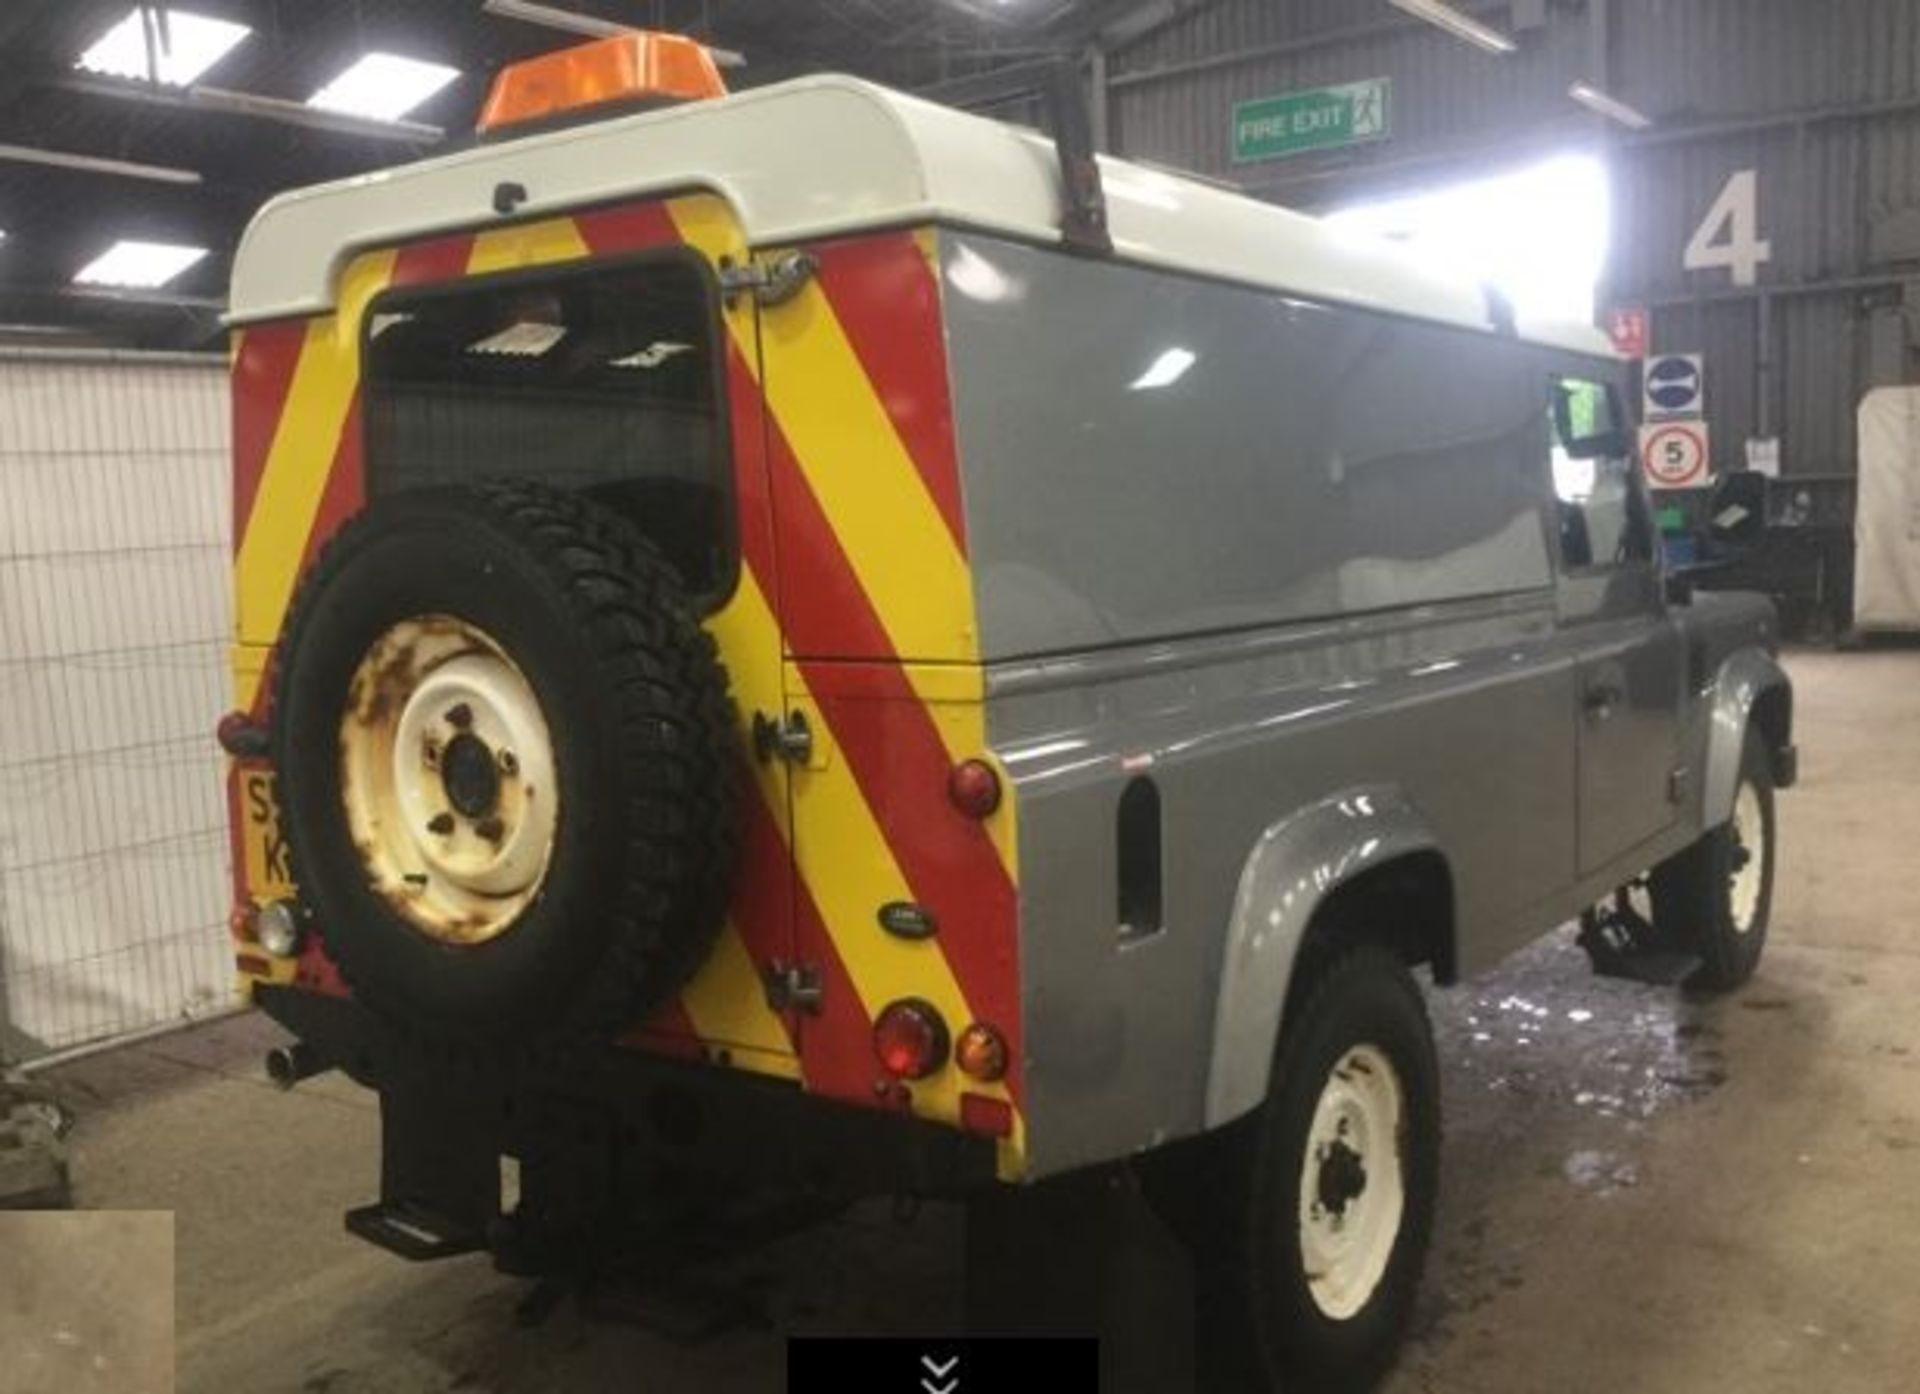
(1601, 509)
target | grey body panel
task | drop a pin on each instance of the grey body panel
(1298, 566)
(1736, 668)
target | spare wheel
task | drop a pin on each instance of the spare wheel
(506, 767)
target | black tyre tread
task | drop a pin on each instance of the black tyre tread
(1690, 892)
(670, 690)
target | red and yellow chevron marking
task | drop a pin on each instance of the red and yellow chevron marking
(854, 604)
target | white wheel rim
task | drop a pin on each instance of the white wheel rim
(1352, 1182)
(447, 778)
(1749, 859)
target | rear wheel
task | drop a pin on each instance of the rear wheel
(1319, 1218)
(1717, 895)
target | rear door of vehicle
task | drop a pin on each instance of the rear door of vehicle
(899, 894)
(591, 287)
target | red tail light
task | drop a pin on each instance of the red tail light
(910, 1039)
(974, 787)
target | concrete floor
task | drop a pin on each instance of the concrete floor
(1641, 1192)
(86, 1302)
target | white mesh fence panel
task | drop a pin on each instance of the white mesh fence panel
(115, 612)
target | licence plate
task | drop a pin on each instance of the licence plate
(268, 875)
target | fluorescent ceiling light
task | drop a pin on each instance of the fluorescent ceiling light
(185, 47)
(1612, 108)
(383, 87)
(1444, 16)
(139, 265)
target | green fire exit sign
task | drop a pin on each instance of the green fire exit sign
(1320, 119)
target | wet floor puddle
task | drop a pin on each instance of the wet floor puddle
(1543, 1032)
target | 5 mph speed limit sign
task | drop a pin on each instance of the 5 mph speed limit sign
(1675, 454)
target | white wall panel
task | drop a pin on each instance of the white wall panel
(115, 535)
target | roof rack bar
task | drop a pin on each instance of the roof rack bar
(1083, 214)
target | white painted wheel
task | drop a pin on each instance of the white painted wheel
(447, 775)
(1749, 873)
(1352, 1182)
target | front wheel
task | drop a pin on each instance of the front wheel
(1717, 895)
(1326, 1222)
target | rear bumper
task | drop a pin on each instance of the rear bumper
(598, 1137)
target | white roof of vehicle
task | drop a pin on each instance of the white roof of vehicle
(829, 155)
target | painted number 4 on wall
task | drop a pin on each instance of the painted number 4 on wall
(1729, 235)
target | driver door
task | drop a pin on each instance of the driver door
(1630, 668)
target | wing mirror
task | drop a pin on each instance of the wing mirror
(1679, 588)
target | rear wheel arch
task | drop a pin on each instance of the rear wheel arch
(1405, 904)
(1384, 881)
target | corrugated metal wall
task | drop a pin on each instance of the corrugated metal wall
(1820, 97)
(114, 622)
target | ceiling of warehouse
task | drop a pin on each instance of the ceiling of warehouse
(56, 221)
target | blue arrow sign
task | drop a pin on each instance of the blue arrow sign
(1673, 384)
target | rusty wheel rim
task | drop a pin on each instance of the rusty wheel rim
(447, 778)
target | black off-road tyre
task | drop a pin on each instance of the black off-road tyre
(1237, 1197)
(644, 751)
(1693, 891)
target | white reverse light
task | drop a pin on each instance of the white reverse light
(139, 265)
(183, 49)
(383, 87)
(277, 926)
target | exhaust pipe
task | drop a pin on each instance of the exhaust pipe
(287, 1065)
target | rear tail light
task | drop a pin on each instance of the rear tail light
(910, 1039)
(982, 1053)
(974, 787)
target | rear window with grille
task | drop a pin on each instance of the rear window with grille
(604, 378)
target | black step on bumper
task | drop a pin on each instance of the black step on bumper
(598, 1139)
